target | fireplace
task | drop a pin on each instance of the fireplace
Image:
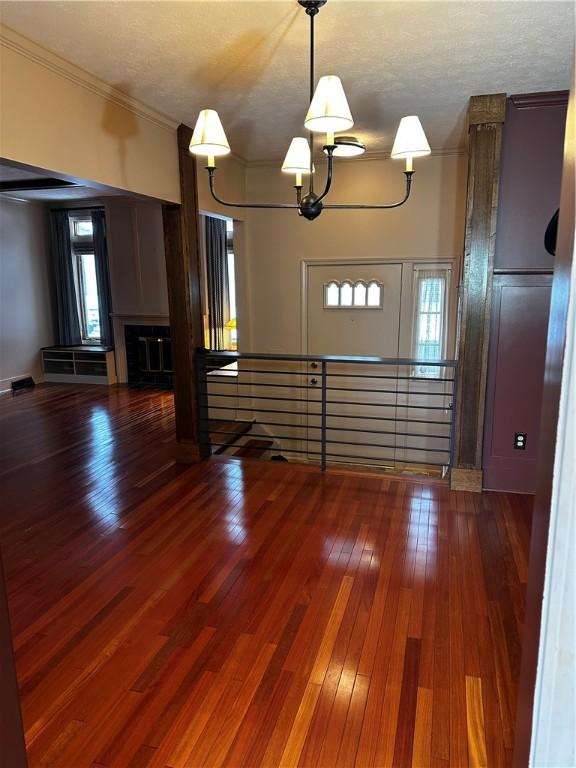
(148, 355)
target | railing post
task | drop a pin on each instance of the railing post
(453, 415)
(202, 389)
(323, 426)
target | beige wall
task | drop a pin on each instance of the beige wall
(430, 225)
(230, 180)
(26, 322)
(57, 117)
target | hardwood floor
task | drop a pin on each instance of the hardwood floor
(247, 613)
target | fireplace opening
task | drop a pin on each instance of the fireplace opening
(149, 355)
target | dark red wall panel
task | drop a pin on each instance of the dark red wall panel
(521, 304)
(530, 178)
(531, 170)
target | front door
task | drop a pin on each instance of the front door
(354, 308)
(336, 325)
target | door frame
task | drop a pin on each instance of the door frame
(405, 339)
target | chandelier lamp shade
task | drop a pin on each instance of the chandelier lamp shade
(329, 111)
(298, 159)
(410, 141)
(209, 138)
(328, 114)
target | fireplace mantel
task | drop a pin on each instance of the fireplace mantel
(119, 320)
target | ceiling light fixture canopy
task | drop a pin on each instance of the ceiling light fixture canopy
(348, 146)
(328, 113)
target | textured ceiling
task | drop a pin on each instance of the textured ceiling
(249, 59)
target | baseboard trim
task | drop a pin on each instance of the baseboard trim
(466, 480)
(6, 384)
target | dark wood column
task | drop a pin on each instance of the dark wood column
(184, 299)
(485, 118)
(12, 749)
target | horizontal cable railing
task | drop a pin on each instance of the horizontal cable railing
(331, 409)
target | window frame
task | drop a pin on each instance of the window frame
(433, 270)
(81, 245)
(230, 370)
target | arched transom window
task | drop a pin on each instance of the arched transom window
(346, 294)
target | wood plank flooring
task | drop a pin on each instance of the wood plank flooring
(245, 613)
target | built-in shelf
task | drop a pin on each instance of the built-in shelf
(81, 365)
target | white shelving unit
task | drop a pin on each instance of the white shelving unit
(81, 365)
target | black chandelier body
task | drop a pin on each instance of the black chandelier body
(311, 204)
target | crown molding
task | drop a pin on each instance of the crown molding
(375, 155)
(542, 99)
(30, 50)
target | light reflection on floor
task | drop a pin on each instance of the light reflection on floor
(101, 467)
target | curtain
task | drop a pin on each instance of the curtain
(218, 287)
(102, 276)
(68, 324)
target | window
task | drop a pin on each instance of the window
(231, 284)
(84, 266)
(82, 228)
(348, 295)
(218, 268)
(430, 313)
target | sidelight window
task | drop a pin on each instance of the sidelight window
(430, 318)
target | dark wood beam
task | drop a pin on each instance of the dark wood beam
(30, 185)
(557, 325)
(485, 119)
(184, 298)
(12, 749)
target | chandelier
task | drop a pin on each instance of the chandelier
(328, 114)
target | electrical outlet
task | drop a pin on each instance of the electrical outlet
(520, 441)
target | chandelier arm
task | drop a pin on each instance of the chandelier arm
(246, 205)
(376, 206)
(330, 152)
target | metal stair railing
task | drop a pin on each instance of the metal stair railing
(330, 409)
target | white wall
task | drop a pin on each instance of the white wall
(553, 740)
(26, 319)
(554, 726)
(430, 225)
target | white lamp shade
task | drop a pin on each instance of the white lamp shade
(329, 111)
(410, 139)
(297, 158)
(209, 138)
